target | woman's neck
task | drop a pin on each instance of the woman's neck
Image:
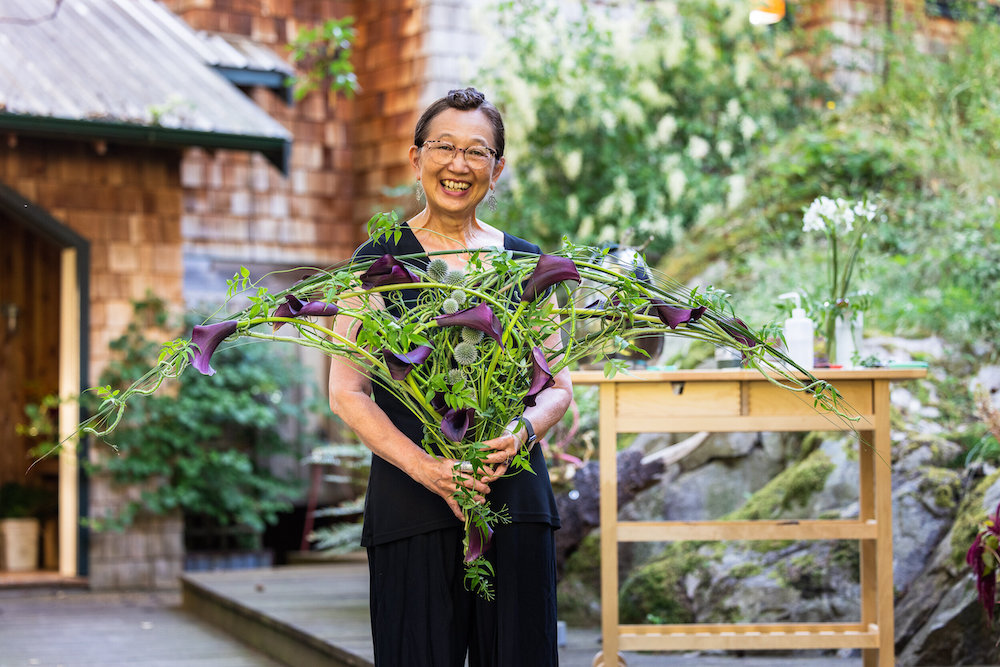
(441, 233)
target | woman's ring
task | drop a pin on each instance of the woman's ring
(465, 466)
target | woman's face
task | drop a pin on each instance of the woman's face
(456, 186)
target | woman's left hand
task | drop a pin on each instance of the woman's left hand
(498, 461)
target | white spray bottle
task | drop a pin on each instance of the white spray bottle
(799, 333)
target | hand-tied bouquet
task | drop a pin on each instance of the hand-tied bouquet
(476, 349)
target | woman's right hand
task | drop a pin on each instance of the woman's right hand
(445, 476)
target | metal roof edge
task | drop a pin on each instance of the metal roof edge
(277, 150)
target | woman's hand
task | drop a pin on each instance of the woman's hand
(498, 461)
(446, 476)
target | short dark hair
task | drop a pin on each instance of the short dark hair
(467, 99)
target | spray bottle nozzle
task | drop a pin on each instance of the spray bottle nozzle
(798, 310)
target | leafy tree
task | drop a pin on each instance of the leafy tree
(624, 124)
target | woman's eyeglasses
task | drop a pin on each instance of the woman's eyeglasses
(443, 152)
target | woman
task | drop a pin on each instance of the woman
(421, 612)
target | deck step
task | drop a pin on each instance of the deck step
(267, 612)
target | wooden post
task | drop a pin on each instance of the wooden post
(69, 411)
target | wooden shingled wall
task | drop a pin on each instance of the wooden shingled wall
(345, 151)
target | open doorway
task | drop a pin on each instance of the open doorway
(41, 265)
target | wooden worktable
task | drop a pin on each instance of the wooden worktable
(732, 400)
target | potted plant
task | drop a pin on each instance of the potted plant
(19, 526)
(204, 450)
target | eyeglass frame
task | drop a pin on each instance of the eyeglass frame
(457, 150)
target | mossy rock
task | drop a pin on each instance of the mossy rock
(942, 486)
(791, 489)
(656, 591)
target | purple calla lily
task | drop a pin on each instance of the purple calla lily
(477, 545)
(541, 376)
(438, 404)
(207, 338)
(479, 317)
(387, 270)
(293, 307)
(455, 423)
(400, 365)
(549, 270)
(981, 559)
(674, 316)
(739, 330)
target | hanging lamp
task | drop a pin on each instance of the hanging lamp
(768, 12)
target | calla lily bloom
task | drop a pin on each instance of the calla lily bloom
(455, 423)
(293, 307)
(438, 404)
(549, 270)
(541, 376)
(400, 365)
(739, 330)
(479, 317)
(477, 545)
(674, 316)
(387, 270)
(207, 338)
(982, 558)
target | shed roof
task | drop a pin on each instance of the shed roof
(126, 70)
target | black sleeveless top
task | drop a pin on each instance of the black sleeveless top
(395, 505)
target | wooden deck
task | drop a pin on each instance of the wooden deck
(298, 616)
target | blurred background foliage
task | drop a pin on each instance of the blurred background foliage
(681, 122)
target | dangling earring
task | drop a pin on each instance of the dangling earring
(491, 201)
(420, 192)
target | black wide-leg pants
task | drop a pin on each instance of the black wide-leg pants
(422, 616)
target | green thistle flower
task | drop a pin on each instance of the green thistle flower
(450, 306)
(437, 269)
(470, 335)
(466, 354)
(455, 375)
(459, 296)
(454, 278)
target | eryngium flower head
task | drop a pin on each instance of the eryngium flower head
(455, 376)
(549, 270)
(207, 338)
(471, 335)
(400, 365)
(459, 296)
(387, 270)
(466, 354)
(454, 278)
(480, 317)
(450, 306)
(436, 270)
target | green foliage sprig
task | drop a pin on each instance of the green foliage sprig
(323, 53)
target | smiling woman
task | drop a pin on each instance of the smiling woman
(413, 527)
